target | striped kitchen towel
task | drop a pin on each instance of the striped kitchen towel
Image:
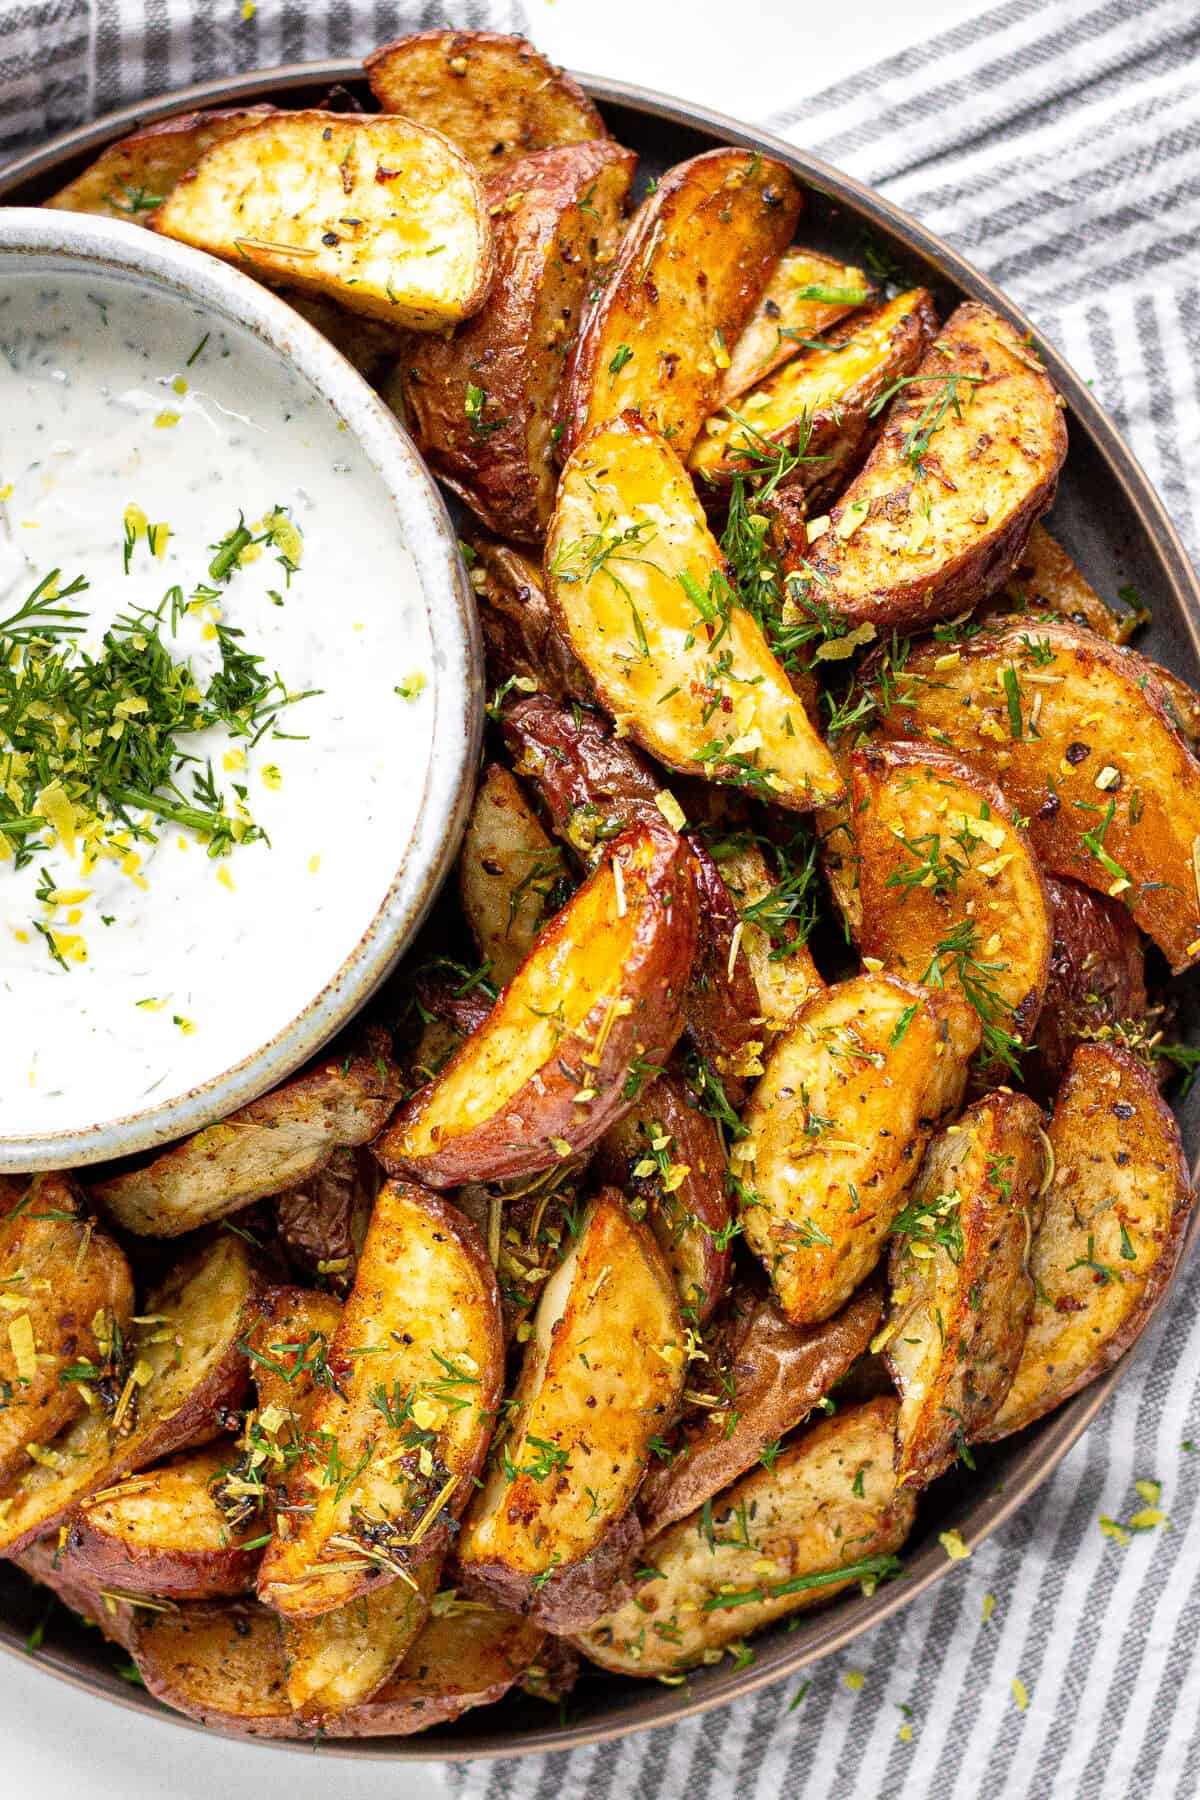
(1057, 144)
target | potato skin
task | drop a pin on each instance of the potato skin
(146, 165)
(67, 1272)
(1114, 1224)
(836, 1127)
(197, 1372)
(164, 1534)
(687, 1207)
(553, 1528)
(264, 1148)
(494, 96)
(958, 1315)
(45, 1563)
(917, 804)
(340, 167)
(829, 1500)
(522, 639)
(1001, 457)
(480, 404)
(511, 877)
(775, 1375)
(322, 1222)
(532, 1118)
(1100, 708)
(694, 262)
(1097, 977)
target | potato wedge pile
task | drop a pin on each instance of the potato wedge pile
(771, 1115)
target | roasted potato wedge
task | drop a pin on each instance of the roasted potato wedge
(692, 267)
(806, 294)
(552, 1529)
(1115, 1219)
(826, 1514)
(780, 962)
(638, 583)
(1045, 580)
(66, 1287)
(494, 96)
(512, 876)
(133, 177)
(378, 213)
(823, 402)
(950, 889)
(1097, 977)
(165, 1533)
(169, 1391)
(941, 510)
(265, 1148)
(342, 1658)
(836, 1129)
(480, 403)
(1079, 736)
(393, 1443)
(322, 1223)
(46, 1564)
(668, 1159)
(961, 1291)
(569, 1045)
(770, 1380)
(522, 640)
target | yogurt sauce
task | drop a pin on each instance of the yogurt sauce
(122, 406)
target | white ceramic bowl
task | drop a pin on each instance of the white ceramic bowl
(59, 242)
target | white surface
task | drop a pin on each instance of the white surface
(60, 1745)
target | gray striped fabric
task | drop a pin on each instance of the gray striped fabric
(1057, 143)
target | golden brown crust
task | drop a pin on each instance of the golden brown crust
(1045, 580)
(937, 518)
(512, 878)
(588, 1019)
(264, 1148)
(1068, 724)
(1115, 1220)
(132, 177)
(494, 96)
(480, 403)
(961, 1291)
(689, 274)
(806, 294)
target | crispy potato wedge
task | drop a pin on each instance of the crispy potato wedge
(772, 1377)
(1045, 580)
(224, 1664)
(941, 510)
(827, 1513)
(1079, 736)
(961, 1291)
(511, 875)
(806, 294)
(567, 1048)
(378, 213)
(1115, 1219)
(184, 1370)
(780, 962)
(480, 403)
(495, 97)
(692, 268)
(836, 1128)
(165, 1533)
(264, 1148)
(417, 1364)
(132, 177)
(61, 1279)
(637, 581)
(950, 889)
(522, 640)
(824, 401)
(1097, 977)
(46, 1564)
(342, 1658)
(322, 1223)
(668, 1159)
(552, 1529)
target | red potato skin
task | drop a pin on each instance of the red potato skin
(45, 1563)
(575, 1595)
(1097, 977)
(518, 1140)
(162, 1572)
(521, 636)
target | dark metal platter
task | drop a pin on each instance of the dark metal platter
(1114, 525)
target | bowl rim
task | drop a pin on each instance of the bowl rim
(1038, 1451)
(40, 239)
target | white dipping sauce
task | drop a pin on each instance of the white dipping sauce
(108, 402)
